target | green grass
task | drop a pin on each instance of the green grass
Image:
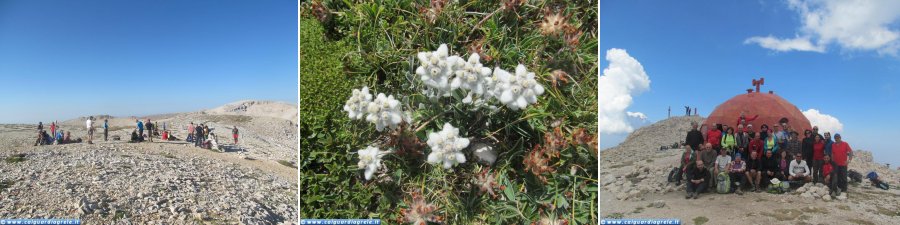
(15, 158)
(700, 220)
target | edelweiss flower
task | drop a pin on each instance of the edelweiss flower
(519, 90)
(435, 69)
(384, 112)
(446, 146)
(471, 76)
(370, 160)
(358, 103)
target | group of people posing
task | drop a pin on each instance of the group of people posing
(200, 135)
(754, 160)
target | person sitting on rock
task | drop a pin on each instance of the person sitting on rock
(688, 157)
(736, 172)
(697, 176)
(708, 155)
(799, 171)
(827, 167)
(59, 137)
(784, 163)
(770, 168)
(67, 138)
(722, 162)
(754, 171)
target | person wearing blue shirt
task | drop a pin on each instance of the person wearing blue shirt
(140, 127)
(105, 129)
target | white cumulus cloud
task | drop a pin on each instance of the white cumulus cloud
(825, 122)
(622, 79)
(870, 25)
(785, 45)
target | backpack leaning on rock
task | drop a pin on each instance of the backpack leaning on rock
(723, 183)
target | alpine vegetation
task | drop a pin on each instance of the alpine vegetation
(450, 112)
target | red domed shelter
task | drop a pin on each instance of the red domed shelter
(769, 106)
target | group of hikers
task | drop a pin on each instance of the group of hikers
(200, 135)
(729, 159)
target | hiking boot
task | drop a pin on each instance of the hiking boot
(696, 195)
(739, 192)
(689, 195)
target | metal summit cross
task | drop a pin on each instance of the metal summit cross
(758, 83)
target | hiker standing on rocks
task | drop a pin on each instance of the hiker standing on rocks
(793, 145)
(694, 137)
(140, 127)
(714, 137)
(198, 135)
(818, 158)
(754, 170)
(743, 140)
(729, 142)
(828, 144)
(771, 144)
(150, 128)
(191, 132)
(697, 179)
(52, 128)
(90, 129)
(799, 170)
(234, 132)
(105, 130)
(808, 151)
(842, 155)
(756, 145)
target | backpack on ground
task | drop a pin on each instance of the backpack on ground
(854, 176)
(723, 183)
(873, 177)
(674, 175)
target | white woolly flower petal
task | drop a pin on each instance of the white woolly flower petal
(442, 50)
(506, 97)
(446, 146)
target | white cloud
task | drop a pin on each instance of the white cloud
(637, 115)
(869, 25)
(624, 78)
(785, 45)
(825, 122)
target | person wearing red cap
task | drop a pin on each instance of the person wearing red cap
(842, 154)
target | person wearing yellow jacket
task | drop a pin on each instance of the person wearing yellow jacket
(729, 143)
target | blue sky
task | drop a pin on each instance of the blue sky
(64, 59)
(702, 53)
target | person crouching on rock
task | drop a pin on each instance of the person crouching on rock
(697, 179)
(827, 167)
(799, 171)
(770, 168)
(737, 171)
(134, 137)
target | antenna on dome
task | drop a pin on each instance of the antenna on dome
(758, 83)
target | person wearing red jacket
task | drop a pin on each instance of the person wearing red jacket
(818, 157)
(714, 137)
(744, 120)
(842, 154)
(827, 167)
(756, 144)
